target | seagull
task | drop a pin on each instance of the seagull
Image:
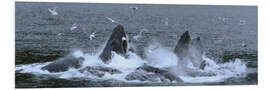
(134, 8)
(225, 19)
(59, 34)
(53, 11)
(166, 22)
(144, 29)
(242, 22)
(244, 44)
(113, 21)
(92, 35)
(139, 35)
(220, 40)
(74, 26)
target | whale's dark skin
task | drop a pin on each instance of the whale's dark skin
(99, 71)
(181, 49)
(191, 49)
(117, 43)
(153, 74)
(63, 64)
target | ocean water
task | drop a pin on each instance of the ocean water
(228, 33)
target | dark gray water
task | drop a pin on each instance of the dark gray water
(227, 32)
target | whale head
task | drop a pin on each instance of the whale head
(182, 46)
(118, 43)
(190, 51)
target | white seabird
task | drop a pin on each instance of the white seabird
(53, 11)
(92, 35)
(139, 35)
(113, 21)
(242, 22)
(59, 34)
(73, 27)
(134, 8)
(243, 44)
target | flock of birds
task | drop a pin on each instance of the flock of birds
(139, 35)
(74, 25)
(92, 35)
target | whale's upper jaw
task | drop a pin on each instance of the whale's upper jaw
(182, 45)
(185, 38)
(117, 43)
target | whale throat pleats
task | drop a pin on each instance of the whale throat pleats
(116, 43)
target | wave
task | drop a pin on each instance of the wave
(156, 56)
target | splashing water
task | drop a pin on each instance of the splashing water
(158, 57)
(213, 72)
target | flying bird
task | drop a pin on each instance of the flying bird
(134, 8)
(243, 44)
(73, 27)
(113, 21)
(242, 22)
(92, 35)
(139, 35)
(59, 34)
(53, 11)
(166, 22)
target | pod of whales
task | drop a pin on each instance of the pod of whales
(186, 48)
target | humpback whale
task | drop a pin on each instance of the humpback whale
(118, 43)
(153, 74)
(188, 49)
(99, 71)
(63, 64)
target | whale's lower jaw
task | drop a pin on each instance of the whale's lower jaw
(117, 43)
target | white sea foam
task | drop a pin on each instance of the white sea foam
(159, 57)
(219, 72)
